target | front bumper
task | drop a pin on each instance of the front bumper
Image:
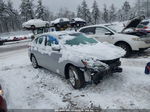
(96, 75)
(137, 45)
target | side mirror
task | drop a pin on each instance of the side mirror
(56, 47)
(108, 33)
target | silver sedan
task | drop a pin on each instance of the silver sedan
(77, 57)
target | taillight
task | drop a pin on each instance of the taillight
(145, 27)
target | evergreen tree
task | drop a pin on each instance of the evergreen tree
(26, 10)
(79, 12)
(105, 14)
(95, 12)
(41, 12)
(112, 15)
(126, 8)
(84, 12)
(9, 18)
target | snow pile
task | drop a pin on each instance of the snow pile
(42, 89)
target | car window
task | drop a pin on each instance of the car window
(88, 31)
(51, 40)
(40, 40)
(36, 40)
(100, 30)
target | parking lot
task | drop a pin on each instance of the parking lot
(26, 87)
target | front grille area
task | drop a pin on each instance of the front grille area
(112, 63)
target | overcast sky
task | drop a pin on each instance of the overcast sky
(55, 5)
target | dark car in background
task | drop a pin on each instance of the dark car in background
(144, 26)
(3, 105)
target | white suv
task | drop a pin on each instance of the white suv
(128, 42)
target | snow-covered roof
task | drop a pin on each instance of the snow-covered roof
(58, 20)
(78, 19)
(35, 22)
(115, 26)
(58, 33)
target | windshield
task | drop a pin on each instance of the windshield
(112, 27)
(116, 27)
(80, 39)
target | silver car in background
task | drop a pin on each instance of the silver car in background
(75, 56)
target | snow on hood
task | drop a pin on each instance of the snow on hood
(101, 51)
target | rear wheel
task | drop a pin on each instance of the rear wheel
(76, 77)
(34, 62)
(126, 47)
(46, 25)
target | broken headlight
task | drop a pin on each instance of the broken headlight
(95, 64)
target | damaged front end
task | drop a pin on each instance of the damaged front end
(95, 69)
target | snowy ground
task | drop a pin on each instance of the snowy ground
(28, 88)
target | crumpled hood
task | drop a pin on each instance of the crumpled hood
(101, 51)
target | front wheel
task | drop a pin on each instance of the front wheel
(34, 62)
(126, 48)
(76, 77)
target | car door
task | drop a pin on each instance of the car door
(104, 35)
(40, 50)
(51, 57)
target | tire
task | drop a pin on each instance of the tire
(126, 47)
(1, 43)
(1, 110)
(76, 77)
(47, 25)
(34, 62)
(32, 27)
